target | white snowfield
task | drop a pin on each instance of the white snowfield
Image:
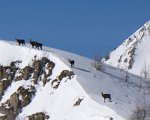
(136, 48)
(87, 84)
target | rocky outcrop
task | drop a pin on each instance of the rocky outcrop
(44, 79)
(4, 83)
(131, 51)
(10, 108)
(37, 66)
(26, 95)
(17, 101)
(40, 70)
(38, 116)
(3, 117)
(7, 72)
(43, 66)
(23, 96)
(55, 83)
(78, 102)
(26, 72)
(131, 60)
(64, 74)
(49, 66)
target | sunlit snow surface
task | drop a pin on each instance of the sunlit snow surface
(135, 48)
(87, 84)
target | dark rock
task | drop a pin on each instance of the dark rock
(55, 83)
(44, 61)
(10, 108)
(38, 116)
(50, 65)
(26, 95)
(15, 63)
(26, 72)
(44, 79)
(77, 103)
(14, 103)
(37, 66)
(66, 73)
(18, 78)
(3, 85)
(17, 101)
(3, 117)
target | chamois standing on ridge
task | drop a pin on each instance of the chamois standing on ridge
(20, 41)
(32, 43)
(36, 44)
(71, 62)
(106, 96)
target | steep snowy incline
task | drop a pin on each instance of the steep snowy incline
(112, 80)
(77, 98)
(133, 53)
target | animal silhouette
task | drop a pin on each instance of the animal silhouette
(32, 43)
(20, 41)
(71, 62)
(106, 96)
(38, 45)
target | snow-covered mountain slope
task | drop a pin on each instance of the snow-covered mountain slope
(133, 53)
(40, 84)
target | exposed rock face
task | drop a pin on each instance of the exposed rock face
(49, 66)
(11, 107)
(44, 79)
(38, 71)
(3, 117)
(38, 116)
(4, 83)
(132, 51)
(39, 67)
(55, 83)
(78, 102)
(17, 101)
(43, 66)
(65, 73)
(26, 72)
(23, 96)
(26, 95)
(7, 72)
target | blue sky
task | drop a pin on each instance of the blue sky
(84, 27)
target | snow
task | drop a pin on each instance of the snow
(2, 114)
(140, 56)
(86, 84)
(13, 88)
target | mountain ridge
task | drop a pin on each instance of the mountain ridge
(48, 88)
(132, 51)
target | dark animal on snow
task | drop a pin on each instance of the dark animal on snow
(111, 118)
(77, 103)
(38, 45)
(106, 96)
(20, 41)
(71, 62)
(33, 43)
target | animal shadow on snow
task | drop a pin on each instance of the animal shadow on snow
(84, 70)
